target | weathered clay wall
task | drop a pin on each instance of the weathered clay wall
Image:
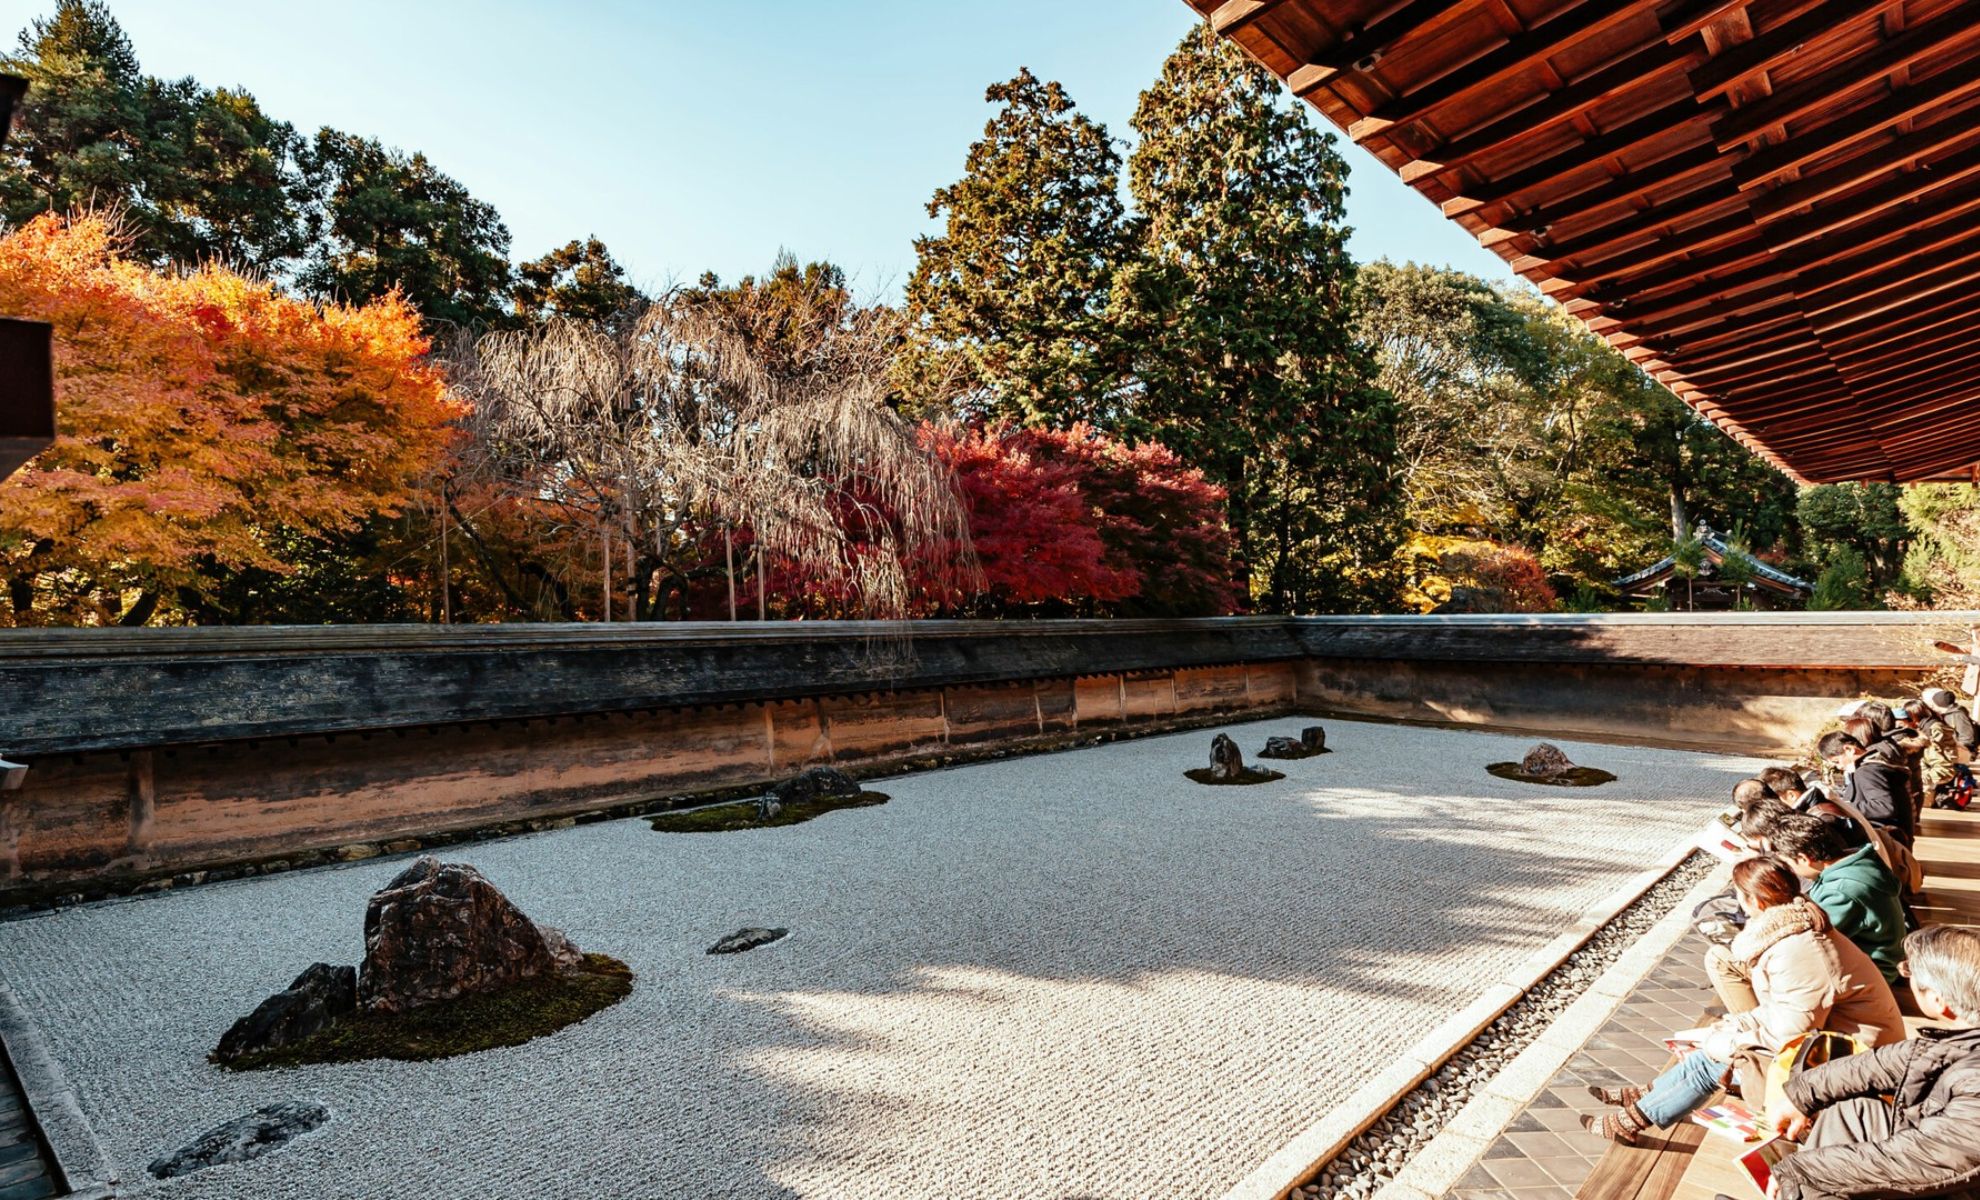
(157, 753)
(1740, 710)
(97, 820)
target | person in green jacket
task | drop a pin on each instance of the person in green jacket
(1851, 884)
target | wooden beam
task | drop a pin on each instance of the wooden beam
(1688, 207)
(1645, 130)
(1811, 33)
(1233, 15)
(1564, 28)
(1742, 125)
(1901, 105)
(1872, 202)
(1364, 45)
(1572, 203)
(1870, 163)
(1577, 99)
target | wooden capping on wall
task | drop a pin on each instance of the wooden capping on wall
(154, 752)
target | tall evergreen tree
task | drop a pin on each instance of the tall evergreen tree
(196, 174)
(388, 220)
(1008, 302)
(578, 280)
(1240, 311)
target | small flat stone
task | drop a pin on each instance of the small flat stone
(243, 1139)
(748, 939)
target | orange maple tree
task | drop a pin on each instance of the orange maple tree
(200, 416)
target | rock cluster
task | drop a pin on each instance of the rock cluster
(1227, 766)
(243, 1138)
(440, 931)
(1374, 1159)
(437, 932)
(318, 997)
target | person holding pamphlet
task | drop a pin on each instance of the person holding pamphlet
(1903, 1120)
(1804, 976)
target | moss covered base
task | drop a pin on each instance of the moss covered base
(1304, 752)
(1249, 775)
(1572, 777)
(510, 1017)
(718, 818)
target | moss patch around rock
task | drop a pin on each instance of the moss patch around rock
(510, 1017)
(720, 818)
(1572, 777)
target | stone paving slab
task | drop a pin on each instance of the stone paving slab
(1071, 975)
(1544, 1154)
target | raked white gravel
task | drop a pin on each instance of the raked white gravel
(1066, 976)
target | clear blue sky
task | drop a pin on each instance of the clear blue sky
(694, 135)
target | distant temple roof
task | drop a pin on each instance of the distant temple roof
(1716, 552)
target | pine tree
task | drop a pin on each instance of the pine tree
(195, 174)
(578, 280)
(1008, 302)
(1240, 310)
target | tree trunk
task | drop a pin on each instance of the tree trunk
(605, 559)
(487, 557)
(1680, 519)
(729, 564)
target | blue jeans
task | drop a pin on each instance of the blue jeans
(1682, 1090)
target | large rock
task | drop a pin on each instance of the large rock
(1226, 762)
(441, 931)
(1313, 737)
(243, 1138)
(814, 784)
(1545, 759)
(318, 996)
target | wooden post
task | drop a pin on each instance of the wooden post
(760, 588)
(446, 588)
(729, 559)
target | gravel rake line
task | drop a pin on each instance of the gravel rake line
(1374, 1158)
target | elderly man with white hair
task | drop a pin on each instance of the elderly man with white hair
(1924, 1139)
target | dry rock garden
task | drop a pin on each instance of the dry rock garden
(1068, 974)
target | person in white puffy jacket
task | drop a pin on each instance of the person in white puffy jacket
(1805, 977)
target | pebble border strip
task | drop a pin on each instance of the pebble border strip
(1375, 1157)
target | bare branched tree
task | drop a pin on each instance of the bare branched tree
(754, 408)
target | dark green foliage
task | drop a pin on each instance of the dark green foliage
(724, 818)
(579, 281)
(388, 220)
(197, 174)
(1858, 526)
(1845, 584)
(1007, 304)
(1239, 311)
(517, 1014)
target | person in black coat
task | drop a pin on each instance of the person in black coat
(1925, 1139)
(1875, 787)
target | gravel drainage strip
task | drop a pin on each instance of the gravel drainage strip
(1373, 1157)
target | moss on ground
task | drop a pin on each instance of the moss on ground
(1250, 775)
(719, 818)
(1572, 777)
(510, 1017)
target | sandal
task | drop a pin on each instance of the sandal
(1619, 1125)
(1628, 1093)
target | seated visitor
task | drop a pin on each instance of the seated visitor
(1785, 783)
(1940, 759)
(1905, 1119)
(1876, 726)
(1945, 707)
(1800, 975)
(1747, 790)
(1871, 785)
(1853, 886)
(1757, 815)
